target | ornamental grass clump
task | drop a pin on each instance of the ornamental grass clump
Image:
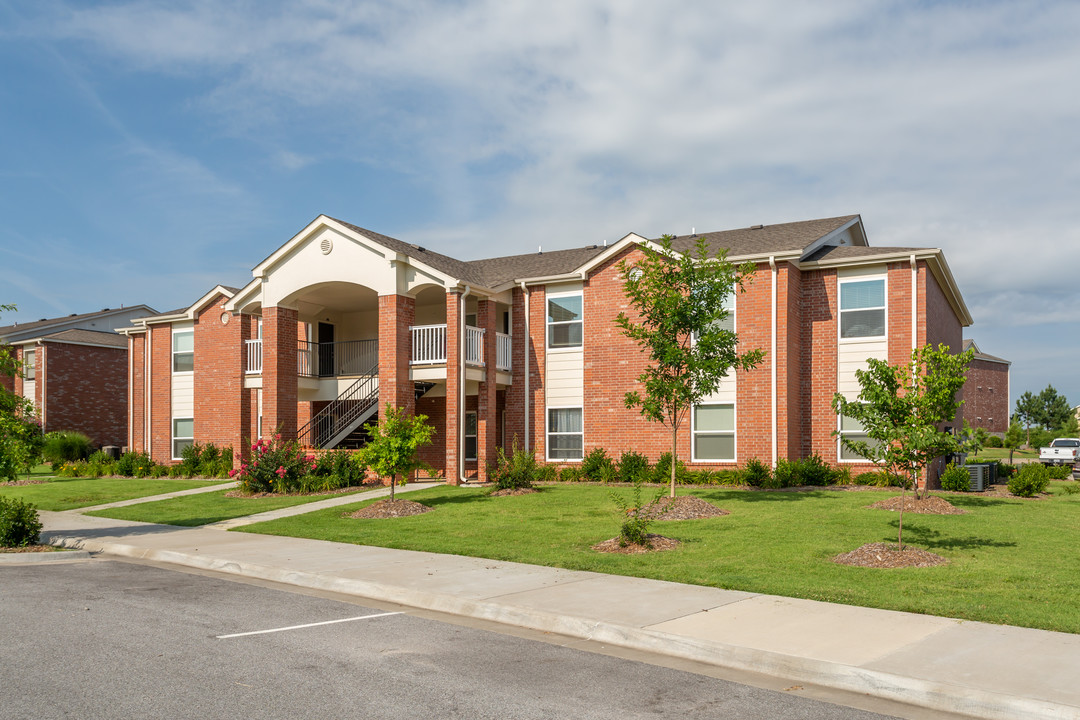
(517, 472)
(636, 516)
(276, 466)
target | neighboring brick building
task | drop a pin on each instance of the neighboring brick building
(986, 392)
(341, 321)
(76, 371)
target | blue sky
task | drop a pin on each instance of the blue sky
(151, 150)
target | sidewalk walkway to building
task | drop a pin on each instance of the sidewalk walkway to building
(971, 668)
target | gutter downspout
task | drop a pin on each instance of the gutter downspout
(525, 340)
(461, 386)
(914, 303)
(775, 275)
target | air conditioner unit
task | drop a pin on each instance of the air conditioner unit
(980, 476)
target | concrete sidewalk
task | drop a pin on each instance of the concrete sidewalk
(962, 667)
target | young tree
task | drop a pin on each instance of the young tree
(395, 441)
(1014, 438)
(902, 409)
(20, 433)
(679, 299)
(1027, 408)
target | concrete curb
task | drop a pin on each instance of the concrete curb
(42, 557)
(941, 696)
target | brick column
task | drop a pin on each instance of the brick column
(397, 313)
(279, 372)
(515, 392)
(486, 431)
(454, 409)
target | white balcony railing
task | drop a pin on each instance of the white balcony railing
(474, 345)
(254, 357)
(428, 344)
(502, 351)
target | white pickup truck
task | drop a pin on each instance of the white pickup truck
(1062, 451)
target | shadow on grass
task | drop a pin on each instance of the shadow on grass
(972, 502)
(758, 495)
(929, 538)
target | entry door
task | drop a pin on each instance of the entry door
(326, 350)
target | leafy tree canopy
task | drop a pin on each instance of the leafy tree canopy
(394, 445)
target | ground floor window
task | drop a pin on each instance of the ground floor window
(853, 430)
(183, 432)
(713, 428)
(470, 436)
(565, 434)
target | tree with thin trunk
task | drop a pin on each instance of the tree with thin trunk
(681, 302)
(393, 450)
(902, 410)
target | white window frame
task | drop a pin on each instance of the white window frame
(475, 436)
(734, 433)
(884, 279)
(175, 333)
(548, 433)
(548, 324)
(30, 365)
(840, 445)
(176, 455)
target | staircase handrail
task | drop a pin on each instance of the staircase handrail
(349, 405)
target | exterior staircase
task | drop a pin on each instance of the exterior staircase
(342, 418)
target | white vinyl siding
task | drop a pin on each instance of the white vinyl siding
(565, 378)
(565, 434)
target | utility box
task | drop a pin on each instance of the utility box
(980, 476)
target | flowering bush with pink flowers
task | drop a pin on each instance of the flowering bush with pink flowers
(275, 466)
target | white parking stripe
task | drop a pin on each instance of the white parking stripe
(298, 627)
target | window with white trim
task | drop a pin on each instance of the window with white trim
(183, 351)
(29, 368)
(564, 321)
(852, 429)
(713, 431)
(565, 434)
(862, 308)
(470, 436)
(183, 432)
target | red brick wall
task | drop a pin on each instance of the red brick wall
(986, 396)
(898, 313)
(515, 393)
(435, 453)
(279, 371)
(942, 325)
(221, 413)
(86, 390)
(790, 311)
(753, 405)
(817, 368)
(137, 393)
(396, 315)
(537, 367)
(452, 420)
(161, 393)
(486, 430)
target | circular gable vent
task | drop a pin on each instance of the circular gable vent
(326, 246)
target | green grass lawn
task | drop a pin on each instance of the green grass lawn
(1012, 561)
(987, 454)
(70, 493)
(204, 508)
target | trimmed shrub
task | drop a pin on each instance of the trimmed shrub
(815, 471)
(1071, 488)
(133, 464)
(1030, 480)
(597, 466)
(956, 478)
(1060, 472)
(994, 442)
(661, 472)
(1005, 470)
(633, 466)
(19, 523)
(334, 469)
(756, 473)
(66, 446)
(159, 471)
(275, 466)
(547, 473)
(873, 477)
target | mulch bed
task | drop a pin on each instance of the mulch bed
(514, 491)
(29, 549)
(885, 555)
(659, 544)
(389, 509)
(12, 483)
(932, 505)
(684, 507)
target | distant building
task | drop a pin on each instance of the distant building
(986, 392)
(76, 371)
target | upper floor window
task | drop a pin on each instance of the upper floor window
(183, 351)
(564, 326)
(29, 369)
(862, 308)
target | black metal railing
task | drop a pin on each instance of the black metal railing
(343, 414)
(335, 359)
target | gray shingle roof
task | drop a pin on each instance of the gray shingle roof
(844, 252)
(92, 337)
(45, 323)
(980, 355)
(765, 239)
